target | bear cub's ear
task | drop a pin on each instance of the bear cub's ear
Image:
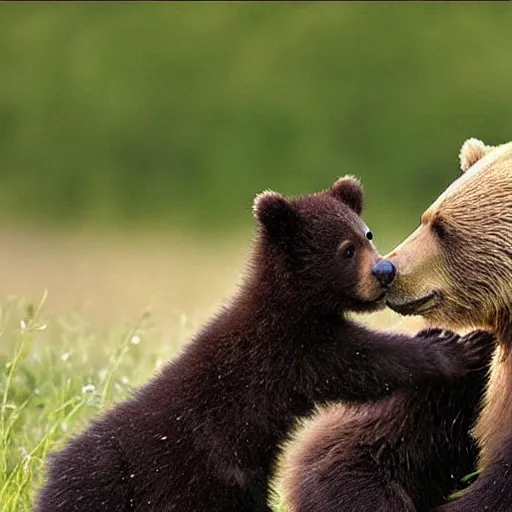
(471, 151)
(350, 191)
(274, 212)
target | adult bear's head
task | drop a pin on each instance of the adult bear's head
(456, 268)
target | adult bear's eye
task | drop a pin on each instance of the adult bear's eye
(439, 228)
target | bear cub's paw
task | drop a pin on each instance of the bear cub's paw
(459, 354)
(479, 347)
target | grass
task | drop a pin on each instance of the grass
(55, 376)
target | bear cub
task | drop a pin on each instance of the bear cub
(203, 435)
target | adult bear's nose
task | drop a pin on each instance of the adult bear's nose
(384, 271)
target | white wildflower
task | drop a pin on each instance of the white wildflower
(89, 388)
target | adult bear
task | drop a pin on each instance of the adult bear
(456, 270)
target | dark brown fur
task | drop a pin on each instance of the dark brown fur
(203, 434)
(403, 454)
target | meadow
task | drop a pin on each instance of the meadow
(69, 352)
(133, 140)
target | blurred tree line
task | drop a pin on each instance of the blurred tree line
(176, 114)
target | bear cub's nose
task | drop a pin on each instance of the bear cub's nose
(384, 271)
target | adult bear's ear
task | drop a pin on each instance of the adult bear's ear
(275, 214)
(349, 190)
(471, 151)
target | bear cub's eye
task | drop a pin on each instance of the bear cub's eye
(349, 251)
(369, 235)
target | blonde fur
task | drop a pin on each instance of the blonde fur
(471, 269)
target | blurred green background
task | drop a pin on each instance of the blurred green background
(169, 117)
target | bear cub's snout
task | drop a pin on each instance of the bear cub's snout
(384, 271)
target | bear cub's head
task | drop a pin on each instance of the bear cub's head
(319, 247)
